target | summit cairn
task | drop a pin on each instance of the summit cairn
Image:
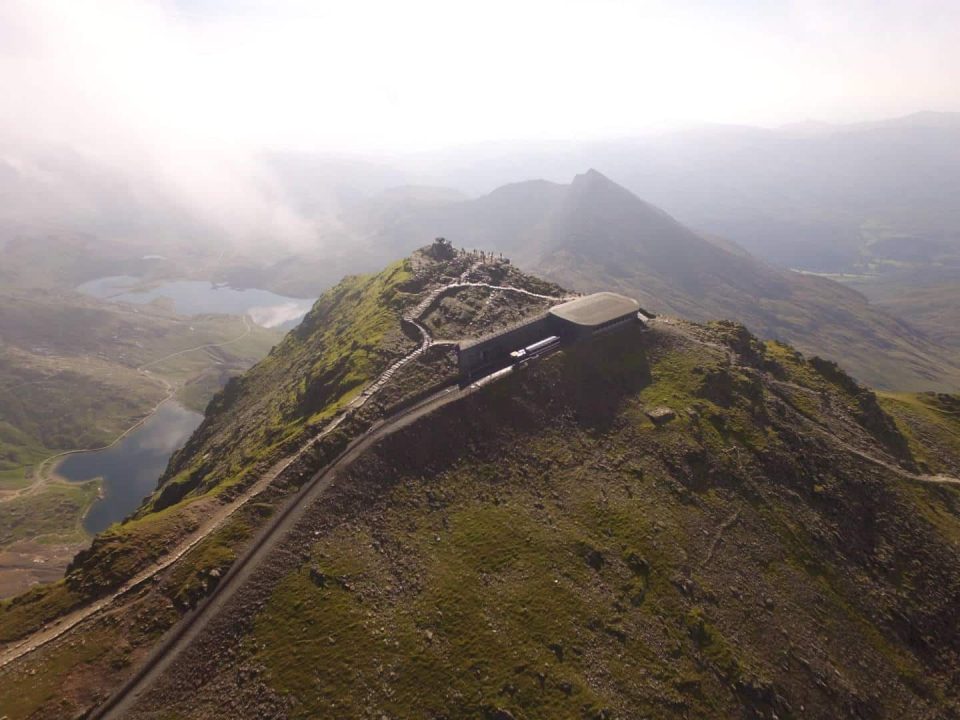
(441, 249)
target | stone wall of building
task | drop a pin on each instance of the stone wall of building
(495, 349)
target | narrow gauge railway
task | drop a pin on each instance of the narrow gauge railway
(536, 348)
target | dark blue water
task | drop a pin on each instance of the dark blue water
(130, 469)
(196, 297)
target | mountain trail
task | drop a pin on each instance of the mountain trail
(64, 624)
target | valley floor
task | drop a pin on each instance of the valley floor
(96, 402)
(28, 563)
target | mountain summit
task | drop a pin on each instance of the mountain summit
(662, 519)
(594, 234)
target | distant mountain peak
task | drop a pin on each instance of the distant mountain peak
(594, 184)
(595, 187)
(593, 173)
(592, 176)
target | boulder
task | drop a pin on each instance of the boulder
(661, 415)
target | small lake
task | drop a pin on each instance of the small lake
(130, 469)
(197, 297)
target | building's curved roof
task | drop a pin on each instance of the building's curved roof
(596, 309)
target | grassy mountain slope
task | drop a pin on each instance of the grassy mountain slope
(931, 424)
(346, 340)
(351, 335)
(541, 548)
(545, 550)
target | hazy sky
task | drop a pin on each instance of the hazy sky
(111, 107)
(368, 75)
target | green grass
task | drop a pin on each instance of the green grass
(444, 639)
(544, 581)
(677, 378)
(801, 565)
(52, 513)
(713, 401)
(501, 606)
(342, 344)
(41, 688)
(931, 424)
(511, 615)
(191, 579)
(35, 608)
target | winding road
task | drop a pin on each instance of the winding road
(191, 625)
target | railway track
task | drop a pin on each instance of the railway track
(191, 625)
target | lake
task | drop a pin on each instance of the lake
(130, 469)
(197, 297)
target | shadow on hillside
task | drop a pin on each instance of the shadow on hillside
(599, 375)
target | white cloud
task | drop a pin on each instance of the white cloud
(372, 74)
(120, 92)
(180, 96)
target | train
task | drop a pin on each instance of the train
(535, 349)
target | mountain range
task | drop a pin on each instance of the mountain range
(869, 204)
(594, 234)
(832, 198)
